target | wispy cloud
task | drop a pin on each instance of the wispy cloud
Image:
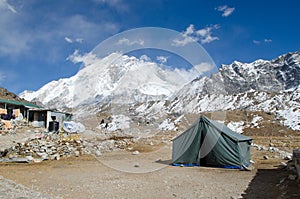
(118, 5)
(226, 11)
(69, 40)
(257, 42)
(14, 40)
(267, 40)
(190, 35)
(4, 5)
(125, 41)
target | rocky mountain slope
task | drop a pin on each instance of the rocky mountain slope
(151, 92)
(270, 86)
(7, 95)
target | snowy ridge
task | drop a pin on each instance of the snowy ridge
(269, 86)
(116, 78)
(155, 93)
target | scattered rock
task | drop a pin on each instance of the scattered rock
(30, 158)
(77, 153)
(292, 177)
(266, 157)
(252, 162)
(288, 157)
(283, 164)
(135, 153)
(98, 153)
(282, 180)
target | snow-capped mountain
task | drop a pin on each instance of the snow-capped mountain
(114, 79)
(152, 93)
(276, 76)
(270, 86)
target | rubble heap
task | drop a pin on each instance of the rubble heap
(10, 126)
(43, 147)
(53, 146)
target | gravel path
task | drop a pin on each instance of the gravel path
(12, 190)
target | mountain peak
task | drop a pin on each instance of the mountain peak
(113, 77)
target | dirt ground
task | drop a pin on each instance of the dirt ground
(149, 175)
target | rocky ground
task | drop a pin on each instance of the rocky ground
(123, 175)
(111, 165)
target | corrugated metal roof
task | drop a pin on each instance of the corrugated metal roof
(27, 104)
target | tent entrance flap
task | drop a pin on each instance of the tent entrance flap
(208, 142)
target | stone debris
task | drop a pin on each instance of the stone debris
(10, 126)
(266, 157)
(53, 146)
(49, 146)
(283, 154)
(135, 153)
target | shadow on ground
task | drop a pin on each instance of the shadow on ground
(166, 162)
(272, 183)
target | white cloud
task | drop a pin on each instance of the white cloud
(192, 35)
(257, 42)
(226, 11)
(4, 5)
(162, 59)
(145, 58)
(79, 40)
(267, 40)
(183, 42)
(69, 40)
(203, 67)
(125, 41)
(17, 39)
(86, 59)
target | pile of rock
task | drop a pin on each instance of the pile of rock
(10, 126)
(52, 146)
(97, 147)
(44, 147)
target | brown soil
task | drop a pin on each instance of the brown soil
(149, 175)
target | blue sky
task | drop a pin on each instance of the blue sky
(38, 36)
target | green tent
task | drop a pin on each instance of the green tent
(210, 143)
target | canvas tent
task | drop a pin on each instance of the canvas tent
(210, 143)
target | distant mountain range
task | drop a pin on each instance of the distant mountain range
(151, 91)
